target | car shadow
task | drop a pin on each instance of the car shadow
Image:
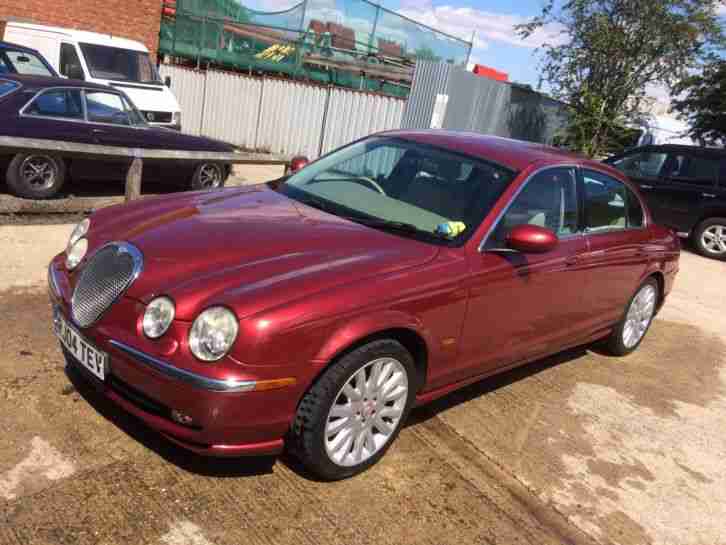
(252, 466)
(172, 453)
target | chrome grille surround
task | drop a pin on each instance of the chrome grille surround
(106, 276)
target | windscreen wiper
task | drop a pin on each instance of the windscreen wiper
(389, 225)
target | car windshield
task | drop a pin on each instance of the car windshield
(117, 64)
(13, 61)
(400, 186)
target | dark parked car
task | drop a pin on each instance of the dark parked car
(315, 311)
(685, 188)
(16, 59)
(77, 111)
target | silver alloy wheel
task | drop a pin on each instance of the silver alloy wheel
(366, 412)
(38, 171)
(639, 315)
(210, 176)
(713, 239)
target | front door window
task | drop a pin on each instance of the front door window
(548, 200)
(106, 107)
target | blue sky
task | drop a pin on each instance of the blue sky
(496, 44)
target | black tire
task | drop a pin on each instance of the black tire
(616, 343)
(701, 233)
(307, 434)
(25, 180)
(209, 176)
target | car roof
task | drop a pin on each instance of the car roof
(37, 83)
(85, 36)
(17, 47)
(675, 147)
(513, 154)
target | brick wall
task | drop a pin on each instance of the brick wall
(134, 19)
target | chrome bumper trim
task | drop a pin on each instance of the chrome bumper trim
(198, 381)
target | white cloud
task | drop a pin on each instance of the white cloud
(489, 26)
(457, 21)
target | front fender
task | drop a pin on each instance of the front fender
(368, 325)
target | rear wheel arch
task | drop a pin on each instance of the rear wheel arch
(712, 213)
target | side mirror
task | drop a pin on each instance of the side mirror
(167, 81)
(531, 239)
(297, 163)
(74, 71)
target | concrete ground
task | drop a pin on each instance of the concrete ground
(580, 448)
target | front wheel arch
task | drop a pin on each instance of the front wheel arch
(411, 339)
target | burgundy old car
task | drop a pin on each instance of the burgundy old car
(315, 311)
(48, 108)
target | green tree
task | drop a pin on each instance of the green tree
(703, 103)
(612, 50)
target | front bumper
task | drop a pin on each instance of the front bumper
(227, 419)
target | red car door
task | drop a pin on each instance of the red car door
(522, 305)
(616, 257)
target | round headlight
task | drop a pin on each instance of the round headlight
(213, 333)
(76, 253)
(158, 317)
(78, 233)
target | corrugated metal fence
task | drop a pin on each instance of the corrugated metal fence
(277, 115)
(473, 103)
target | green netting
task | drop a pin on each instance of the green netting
(351, 43)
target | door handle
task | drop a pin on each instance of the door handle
(572, 260)
(708, 195)
(645, 186)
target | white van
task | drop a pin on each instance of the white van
(102, 58)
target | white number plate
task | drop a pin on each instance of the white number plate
(85, 353)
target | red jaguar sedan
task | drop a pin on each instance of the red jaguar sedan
(315, 311)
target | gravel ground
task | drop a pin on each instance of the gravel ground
(580, 448)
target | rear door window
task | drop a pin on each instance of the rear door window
(61, 103)
(605, 202)
(636, 216)
(692, 169)
(644, 164)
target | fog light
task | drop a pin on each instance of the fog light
(181, 418)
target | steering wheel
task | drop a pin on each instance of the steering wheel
(372, 183)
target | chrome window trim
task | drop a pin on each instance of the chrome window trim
(15, 84)
(198, 381)
(502, 213)
(138, 268)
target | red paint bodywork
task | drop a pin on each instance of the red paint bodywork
(306, 285)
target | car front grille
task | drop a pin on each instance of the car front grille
(106, 276)
(157, 117)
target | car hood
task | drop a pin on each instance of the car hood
(250, 249)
